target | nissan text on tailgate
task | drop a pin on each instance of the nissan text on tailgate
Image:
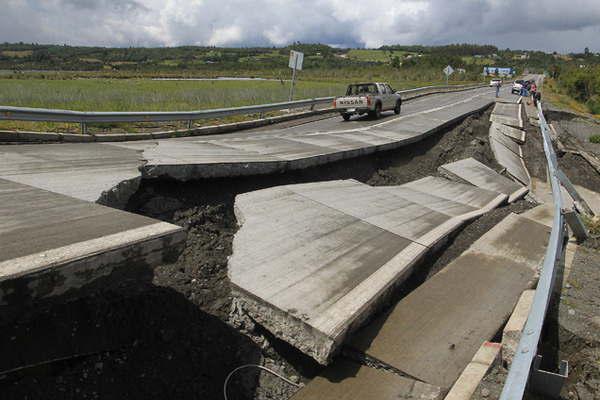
(368, 98)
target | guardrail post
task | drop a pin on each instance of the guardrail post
(566, 182)
(576, 224)
(548, 383)
(84, 129)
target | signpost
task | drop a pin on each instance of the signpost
(296, 59)
(448, 71)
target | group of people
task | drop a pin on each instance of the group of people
(529, 88)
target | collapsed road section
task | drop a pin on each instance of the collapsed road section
(311, 261)
(201, 223)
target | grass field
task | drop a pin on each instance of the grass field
(153, 95)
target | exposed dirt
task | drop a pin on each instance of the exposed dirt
(579, 171)
(171, 337)
(533, 152)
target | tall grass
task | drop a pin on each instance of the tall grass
(149, 95)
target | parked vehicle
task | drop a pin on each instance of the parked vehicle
(368, 98)
(517, 86)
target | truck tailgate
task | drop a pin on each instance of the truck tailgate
(351, 102)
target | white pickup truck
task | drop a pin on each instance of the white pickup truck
(371, 98)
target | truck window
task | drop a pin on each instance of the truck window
(354, 90)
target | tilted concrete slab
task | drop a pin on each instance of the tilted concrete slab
(507, 114)
(506, 141)
(515, 134)
(509, 154)
(345, 380)
(53, 244)
(514, 165)
(433, 333)
(472, 171)
(311, 261)
(458, 192)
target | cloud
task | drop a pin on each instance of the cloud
(547, 25)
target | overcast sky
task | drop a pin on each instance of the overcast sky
(551, 25)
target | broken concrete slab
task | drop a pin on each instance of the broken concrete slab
(311, 261)
(515, 134)
(506, 141)
(420, 336)
(349, 381)
(53, 244)
(467, 194)
(380, 208)
(472, 171)
(507, 114)
(511, 161)
(509, 154)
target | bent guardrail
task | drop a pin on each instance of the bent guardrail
(526, 362)
(88, 117)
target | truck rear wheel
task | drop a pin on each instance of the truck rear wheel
(377, 113)
(346, 116)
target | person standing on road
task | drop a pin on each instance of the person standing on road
(533, 91)
(498, 84)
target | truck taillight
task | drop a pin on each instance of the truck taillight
(368, 100)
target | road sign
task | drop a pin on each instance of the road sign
(296, 59)
(295, 64)
(448, 71)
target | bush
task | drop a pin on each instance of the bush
(594, 105)
(595, 139)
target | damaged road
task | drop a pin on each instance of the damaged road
(175, 334)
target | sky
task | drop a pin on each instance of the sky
(549, 25)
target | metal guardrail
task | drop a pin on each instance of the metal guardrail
(521, 370)
(88, 117)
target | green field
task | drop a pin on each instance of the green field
(152, 95)
(103, 94)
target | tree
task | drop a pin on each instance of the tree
(586, 51)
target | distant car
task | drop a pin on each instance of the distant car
(495, 82)
(367, 98)
(517, 86)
